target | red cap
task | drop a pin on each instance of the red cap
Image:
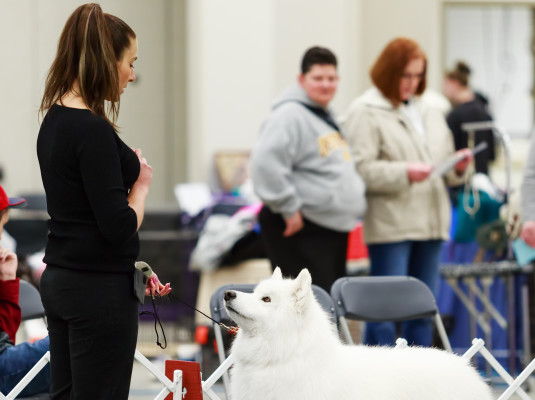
(6, 202)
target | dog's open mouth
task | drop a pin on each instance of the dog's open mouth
(232, 310)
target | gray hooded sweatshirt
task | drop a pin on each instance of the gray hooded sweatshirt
(301, 162)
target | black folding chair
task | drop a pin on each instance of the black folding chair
(385, 298)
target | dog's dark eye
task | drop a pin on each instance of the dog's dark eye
(266, 299)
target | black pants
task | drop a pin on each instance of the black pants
(321, 250)
(93, 324)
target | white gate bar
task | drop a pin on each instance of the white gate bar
(174, 386)
(210, 393)
(486, 303)
(515, 387)
(401, 344)
(468, 304)
(39, 365)
(212, 379)
(477, 344)
(177, 379)
(503, 373)
(154, 371)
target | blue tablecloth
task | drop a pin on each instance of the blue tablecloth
(456, 315)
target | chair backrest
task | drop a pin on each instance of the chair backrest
(383, 298)
(219, 313)
(326, 302)
(30, 301)
(30, 233)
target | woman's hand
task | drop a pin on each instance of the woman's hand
(145, 172)
(418, 172)
(527, 233)
(467, 157)
(293, 224)
(8, 265)
(154, 286)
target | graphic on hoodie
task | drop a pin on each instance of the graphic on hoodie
(331, 142)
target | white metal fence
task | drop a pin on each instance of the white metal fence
(175, 386)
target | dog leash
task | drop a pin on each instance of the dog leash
(230, 329)
(156, 321)
(147, 271)
(233, 330)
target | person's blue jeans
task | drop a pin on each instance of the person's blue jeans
(419, 259)
(16, 362)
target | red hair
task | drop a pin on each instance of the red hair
(389, 66)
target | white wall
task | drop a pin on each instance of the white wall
(29, 31)
(242, 53)
(238, 54)
(496, 44)
(17, 82)
(230, 77)
(336, 24)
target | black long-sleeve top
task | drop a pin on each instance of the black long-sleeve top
(87, 171)
(472, 111)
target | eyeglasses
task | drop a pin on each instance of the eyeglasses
(413, 76)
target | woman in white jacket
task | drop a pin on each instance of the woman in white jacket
(396, 141)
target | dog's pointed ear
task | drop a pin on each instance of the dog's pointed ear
(303, 290)
(277, 274)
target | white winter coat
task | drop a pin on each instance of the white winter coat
(383, 140)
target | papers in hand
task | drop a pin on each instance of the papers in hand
(444, 166)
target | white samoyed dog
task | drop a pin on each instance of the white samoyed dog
(288, 349)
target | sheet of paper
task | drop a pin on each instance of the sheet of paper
(444, 166)
(524, 253)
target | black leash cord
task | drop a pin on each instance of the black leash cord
(231, 329)
(156, 321)
(193, 308)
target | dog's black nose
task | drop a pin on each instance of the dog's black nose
(229, 295)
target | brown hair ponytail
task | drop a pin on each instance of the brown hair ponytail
(461, 73)
(89, 48)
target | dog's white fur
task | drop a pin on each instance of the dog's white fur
(287, 348)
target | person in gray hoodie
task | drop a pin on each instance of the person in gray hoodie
(303, 171)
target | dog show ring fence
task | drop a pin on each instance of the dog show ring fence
(175, 388)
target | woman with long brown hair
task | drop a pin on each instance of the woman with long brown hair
(96, 187)
(396, 141)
